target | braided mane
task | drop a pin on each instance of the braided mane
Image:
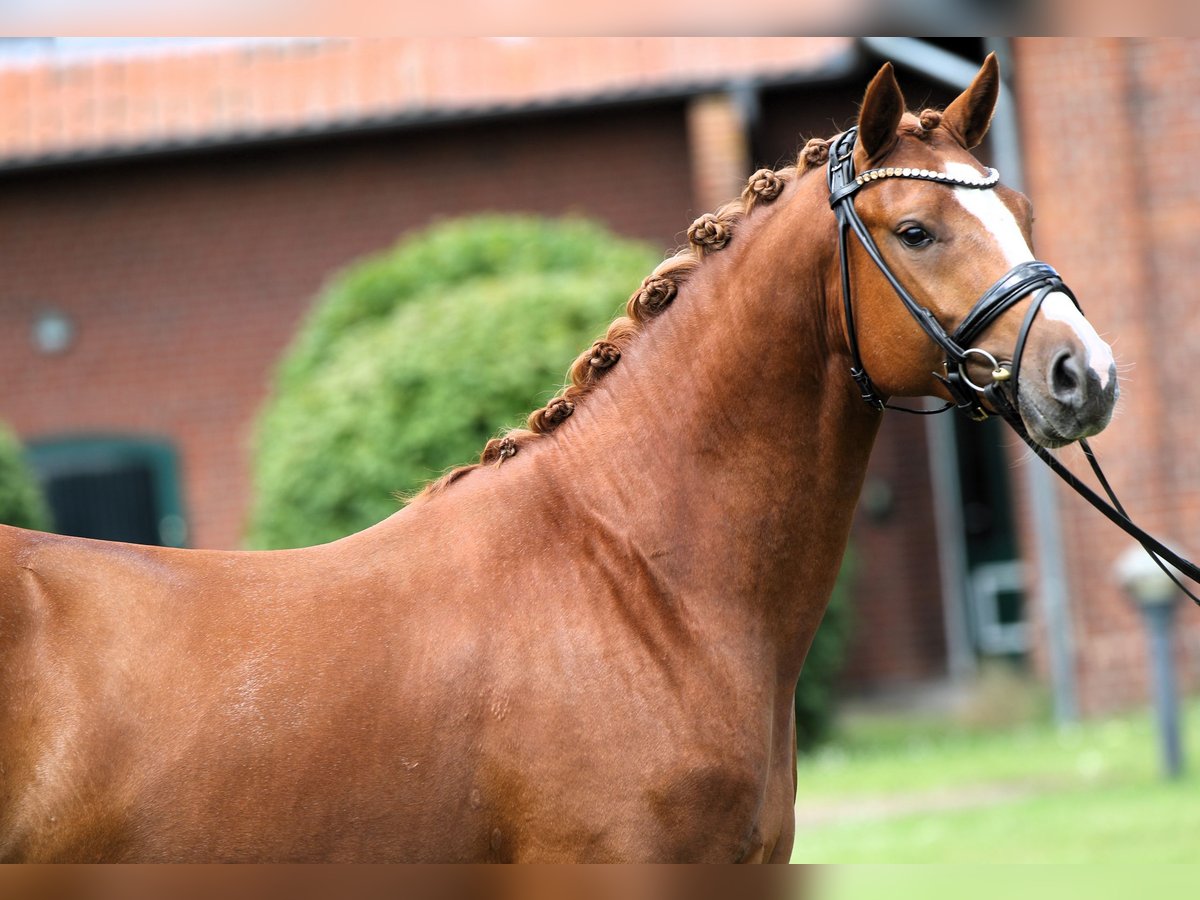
(709, 233)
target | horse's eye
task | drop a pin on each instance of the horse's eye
(915, 236)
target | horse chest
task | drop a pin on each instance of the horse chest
(613, 796)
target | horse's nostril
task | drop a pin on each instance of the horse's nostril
(1067, 379)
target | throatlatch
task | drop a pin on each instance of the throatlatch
(1032, 276)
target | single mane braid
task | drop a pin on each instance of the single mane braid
(655, 295)
(550, 416)
(711, 232)
(815, 153)
(930, 119)
(499, 449)
(593, 362)
(765, 184)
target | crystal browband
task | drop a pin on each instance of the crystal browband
(990, 180)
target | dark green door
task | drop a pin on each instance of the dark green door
(995, 572)
(112, 488)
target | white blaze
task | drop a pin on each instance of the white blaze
(999, 221)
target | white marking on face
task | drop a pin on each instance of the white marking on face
(998, 219)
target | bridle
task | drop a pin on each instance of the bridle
(1008, 290)
(1001, 392)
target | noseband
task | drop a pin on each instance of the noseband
(1002, 392)
(1008, 290)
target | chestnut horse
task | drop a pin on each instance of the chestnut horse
(584, 648)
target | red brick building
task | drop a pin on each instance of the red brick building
(1110, 129)
(168, 212)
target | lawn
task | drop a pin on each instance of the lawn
(894, 789)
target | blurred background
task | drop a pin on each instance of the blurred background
(232, 269)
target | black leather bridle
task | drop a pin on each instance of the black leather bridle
(1031, 277)
(1008, 290)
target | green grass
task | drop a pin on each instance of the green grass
(1115, 881)
(905, 790)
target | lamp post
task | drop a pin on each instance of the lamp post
(1156, 597)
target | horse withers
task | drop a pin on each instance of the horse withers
(585, 647)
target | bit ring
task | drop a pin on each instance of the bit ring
(999, 372)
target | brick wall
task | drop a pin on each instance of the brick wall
(1111, 130)
(187, 277)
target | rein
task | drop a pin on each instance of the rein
(1001, 392)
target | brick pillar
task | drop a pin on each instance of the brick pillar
(719, 150)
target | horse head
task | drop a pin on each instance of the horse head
(959, 243)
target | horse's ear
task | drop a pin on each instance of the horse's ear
(968, 117)
(882, 107)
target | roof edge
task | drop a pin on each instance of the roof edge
(834, 68)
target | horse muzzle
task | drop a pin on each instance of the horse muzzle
(1069, 398)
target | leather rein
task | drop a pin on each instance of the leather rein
(1001, 392)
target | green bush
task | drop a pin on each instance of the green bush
(413, 358)
(21, 501)
(815, 696)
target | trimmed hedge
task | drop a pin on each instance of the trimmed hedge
(412, 359)
(21, 501)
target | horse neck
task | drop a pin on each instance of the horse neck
(729, 444)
